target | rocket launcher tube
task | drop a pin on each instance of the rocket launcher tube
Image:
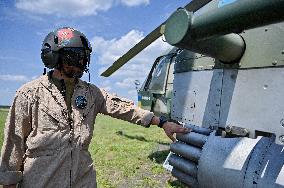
(187, 151)
(193, 139)
(213, 33)
(183, 165)
(227, 48)
(185, 178)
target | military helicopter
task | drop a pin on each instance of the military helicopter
(227, 79)
(156, 92)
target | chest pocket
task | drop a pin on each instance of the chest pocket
(84, 121)
(50, 119)
(46, 137)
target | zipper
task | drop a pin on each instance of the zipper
(71, 134)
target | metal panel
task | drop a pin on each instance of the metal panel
(253, 99)
(191, 100)
(264, 46)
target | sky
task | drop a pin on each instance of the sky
(112, 27)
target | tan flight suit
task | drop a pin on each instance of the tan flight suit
(43, 147)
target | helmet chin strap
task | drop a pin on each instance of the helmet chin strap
(44, 71)
(87, 70)
(89, 76)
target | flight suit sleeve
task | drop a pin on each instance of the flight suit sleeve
(124, 109)
(17, 126)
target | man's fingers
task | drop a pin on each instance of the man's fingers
(182, 130)
(178, 128)
(169, 132)
(171, 128)
(171, 136)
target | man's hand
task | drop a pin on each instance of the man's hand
(171, 128)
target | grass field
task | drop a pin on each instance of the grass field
(126, 155)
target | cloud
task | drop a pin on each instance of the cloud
(16, 78)
(111, 50)
(35, 77)
(131, 3)
(127, 83)
(73, 7)
(10, 58)
(132, 92)
(106, 85)
(122, 81)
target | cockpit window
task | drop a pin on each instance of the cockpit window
(159, 76)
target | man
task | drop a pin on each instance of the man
(50, 124)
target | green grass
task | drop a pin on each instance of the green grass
(126, 155)
(3, 115)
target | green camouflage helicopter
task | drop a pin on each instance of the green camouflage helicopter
(223, 79)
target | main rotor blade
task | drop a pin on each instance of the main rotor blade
(193, 6)
(151, 37)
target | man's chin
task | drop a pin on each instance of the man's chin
(74, 74)
(78, 75)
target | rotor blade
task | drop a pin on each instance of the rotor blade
(154, 35)
(193, 6)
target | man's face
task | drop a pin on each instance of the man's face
(72, 71)
(74, 62)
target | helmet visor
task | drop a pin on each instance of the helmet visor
(78, 57)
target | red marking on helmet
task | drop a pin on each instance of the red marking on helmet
(64, 34)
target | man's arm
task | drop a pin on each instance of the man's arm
(126, 110)
(16, 127)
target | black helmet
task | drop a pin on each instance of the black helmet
(60, 40)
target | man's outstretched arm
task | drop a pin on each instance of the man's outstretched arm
(126, 110)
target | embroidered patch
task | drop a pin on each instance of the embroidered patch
(81, 102)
